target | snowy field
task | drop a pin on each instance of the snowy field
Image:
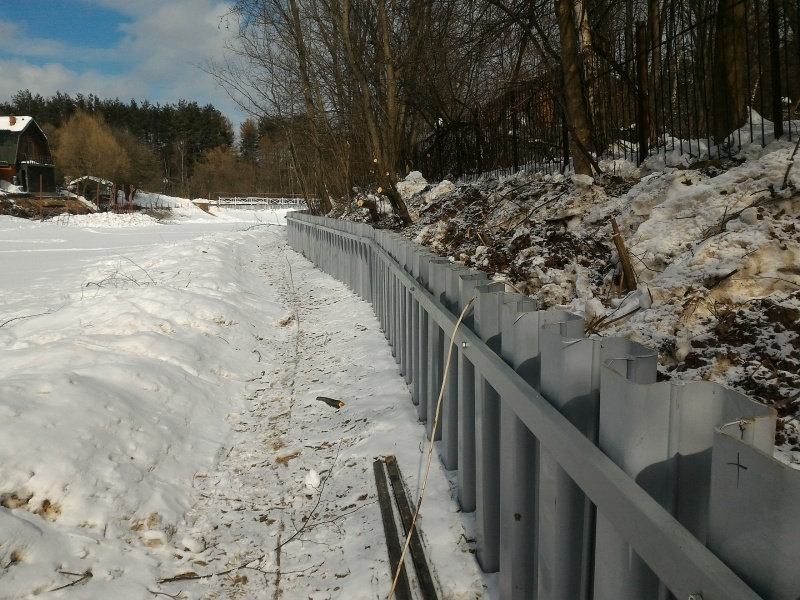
(158, 418)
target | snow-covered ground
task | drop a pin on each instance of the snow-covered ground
(158, 418)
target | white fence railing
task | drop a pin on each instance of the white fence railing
(253, 201)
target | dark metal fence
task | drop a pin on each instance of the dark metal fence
(651, 87)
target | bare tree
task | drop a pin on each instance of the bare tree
(730, 69)
(87, 146)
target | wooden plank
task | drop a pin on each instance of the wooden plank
(627, 267)
(402, 591)
(407, 516)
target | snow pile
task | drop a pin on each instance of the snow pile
(9, 188)
(108, 220)
(150, 200)
(111, 404)
(413, 183)
(715, 248)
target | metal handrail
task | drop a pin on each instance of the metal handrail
(685, 566)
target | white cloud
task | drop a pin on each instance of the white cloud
(15, 42)
(165, 42)
(168, 41)
(158, 55)
(46, 80)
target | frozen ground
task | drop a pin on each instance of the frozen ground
(158, 418)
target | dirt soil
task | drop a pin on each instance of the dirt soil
(28, 207)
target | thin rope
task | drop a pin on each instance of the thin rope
(509, 284)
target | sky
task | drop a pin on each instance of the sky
(143, 49)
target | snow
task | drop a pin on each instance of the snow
(158, 417)
(715, 246)
(413, 183)
(9, 188)
(148, 199)
(19, 125)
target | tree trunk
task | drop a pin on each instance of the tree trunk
(384, 136)
(595, 108)
(580, 134)
(629, 37)
(655, 98)
(730, 69)
(395, 115)
(311, 202)
(324, 201)
(341, 92)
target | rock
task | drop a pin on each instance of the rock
(312, 479)
(582, 180)
(195, 545)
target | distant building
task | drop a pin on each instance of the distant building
(25, 157)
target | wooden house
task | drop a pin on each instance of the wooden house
(25, 157)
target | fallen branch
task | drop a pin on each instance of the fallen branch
(113, 278)
(83, 577)
(134, 263)
(277, 573)
(790, 165)
(625, 316)
(25, 317)
(174, 596)
(331, 402)
(727, 218)
(511, 191)
(627, 267)
(307, 520)
(191, 576)
(340, 516)
(603, 322)
(527, 217)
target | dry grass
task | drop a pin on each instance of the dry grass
(284, 460)
(32, 208)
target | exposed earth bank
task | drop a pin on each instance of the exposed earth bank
(715, 247)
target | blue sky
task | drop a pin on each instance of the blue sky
(142, 49)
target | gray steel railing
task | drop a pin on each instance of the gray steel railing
(589, 480)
